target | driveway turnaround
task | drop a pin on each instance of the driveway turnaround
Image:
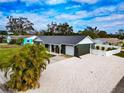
(88, 74)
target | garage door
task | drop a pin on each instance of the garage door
(82, 49)
(69, 50)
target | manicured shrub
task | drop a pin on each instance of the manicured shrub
(111, 49)
(103, 48)
(97, 47)
(26, 67)
(13, 41)
(19, 41)
(114, 48)
(123, 45)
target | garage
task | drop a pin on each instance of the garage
(82, 49)
(69, 50)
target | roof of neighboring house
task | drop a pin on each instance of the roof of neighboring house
(32, 37)
(20, 36)
(71, 40)
(108, 40)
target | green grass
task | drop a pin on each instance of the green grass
(6, 54)
(121, 54)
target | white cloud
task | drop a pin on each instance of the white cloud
(3, 21)
(72, 7)
(53, 2)
(108, 23)
(113, 24)
(77, 15)
(49, 2)
(121, 6)
(3, 1)
(112, 17)
(29, 2)
(87, 1)
(103, 11)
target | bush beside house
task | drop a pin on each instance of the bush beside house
(25, 68)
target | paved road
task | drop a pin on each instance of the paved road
(90, 74)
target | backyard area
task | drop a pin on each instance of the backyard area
(6, 52)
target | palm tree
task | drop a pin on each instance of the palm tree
(26, 67)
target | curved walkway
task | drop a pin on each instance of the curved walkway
(90, 74)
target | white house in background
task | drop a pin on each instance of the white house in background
(68, 45)
(106, 46)
(114, 41)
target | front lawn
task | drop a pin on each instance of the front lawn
(121, 54)
(6, 52)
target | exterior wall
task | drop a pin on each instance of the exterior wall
(105, 53)
(106, 46)
(69, 50)
(86, 40)
(82, 49)
(27, 41)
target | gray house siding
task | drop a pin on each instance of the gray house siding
(82, 49)
(68, 45)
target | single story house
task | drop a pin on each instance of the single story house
(68, 45)
(29, 40)
(114, 41)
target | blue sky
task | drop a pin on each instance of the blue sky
(107, 15)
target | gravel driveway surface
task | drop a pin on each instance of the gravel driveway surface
(88, 74)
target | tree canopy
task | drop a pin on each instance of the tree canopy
(19, 26)
(59, 29)
(89, 31)
(102, 34)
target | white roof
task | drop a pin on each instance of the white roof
(32, 37)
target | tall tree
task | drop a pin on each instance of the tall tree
(19, 26)
(61, 28)
(89, 31)
(121, 33)
(102, 34)
(95, 30)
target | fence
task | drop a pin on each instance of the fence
(105, 53)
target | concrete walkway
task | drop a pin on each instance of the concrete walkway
(90, 74)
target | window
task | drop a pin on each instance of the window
(28, 41)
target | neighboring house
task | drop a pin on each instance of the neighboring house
(106, 46)
(114, 41)
(69, 45)
(19, 37)
(14, 38)
(1, 38)
(8, 38)
(29, 40)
